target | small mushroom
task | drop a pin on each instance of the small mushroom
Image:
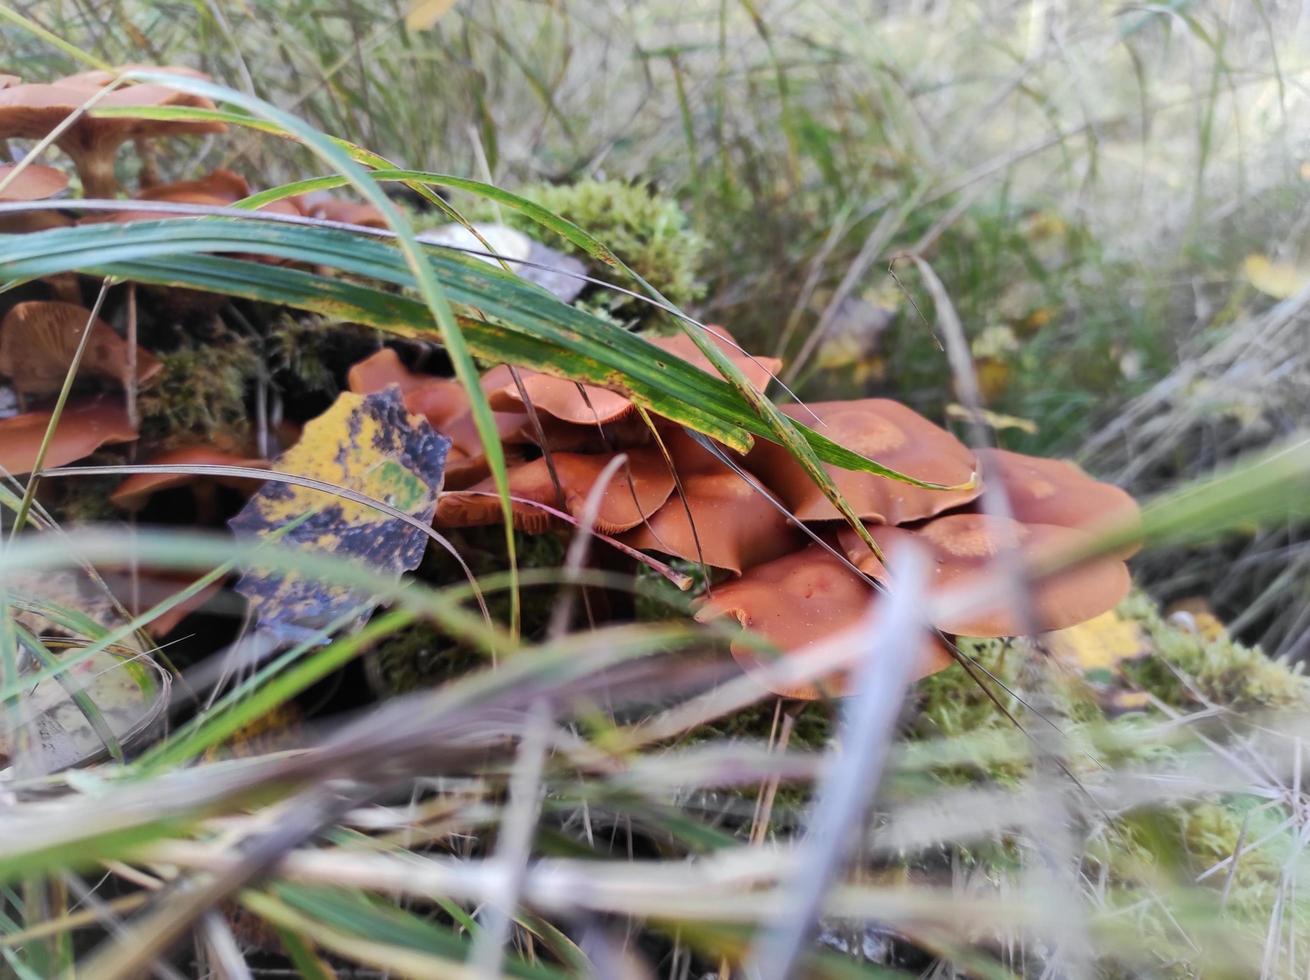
(33, 183)
(634, 493)
(796, 601)
(34, 110)
(1057, 491)
(732, 525)
(964, 549)
(886, 432)
(135, 491)
(83, 428)
(38, 340)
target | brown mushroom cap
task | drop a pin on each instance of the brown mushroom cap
(83, 428)
(1057, 491)
(633, 494)
(328, 208)
(100, 77)
(565, 400)
(38, 340)
(32, 111)
(886, 432)
(382, 368)
(796, 601)
(736, 526)
(33, 183)
(758, 370)
(221, 183)
(134, 492)
(964, 549)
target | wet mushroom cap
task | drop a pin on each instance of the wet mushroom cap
(1057, 491)
(33, 183)
(84, 427)
(633, 494)
(732, 525)
(886, 432)
(39, 339)
(796, 601)
(965, 551)
(759, 371)
(134, 492)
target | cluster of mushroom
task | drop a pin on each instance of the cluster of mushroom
(677, 498)
(39, 337)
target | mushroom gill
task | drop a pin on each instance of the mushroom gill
(796, 601)
(39, 338)
(965, 551)
(886, 432)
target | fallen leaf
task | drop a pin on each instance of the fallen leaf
(366, 443)
(1100, 645)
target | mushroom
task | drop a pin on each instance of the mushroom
(39, 339)
(135, 491)
(33, 183)
(758, 370)
(384, 367)
(634, 493)
(964, 549)
(37, 183)
(886, 432)
(83, 428)
(592, 405)
(732, 525)
(32, 111)
(796, 601)
(325, 207)
(444, 403)
(1057, 491)
(219, 189)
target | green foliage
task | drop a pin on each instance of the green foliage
(648, 231)
(1189, 668)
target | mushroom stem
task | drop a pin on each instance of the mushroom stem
(96, 169)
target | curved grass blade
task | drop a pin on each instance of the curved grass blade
(525, 325)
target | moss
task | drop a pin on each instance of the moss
(201, 394)
(646, 230)
(1220, 670)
